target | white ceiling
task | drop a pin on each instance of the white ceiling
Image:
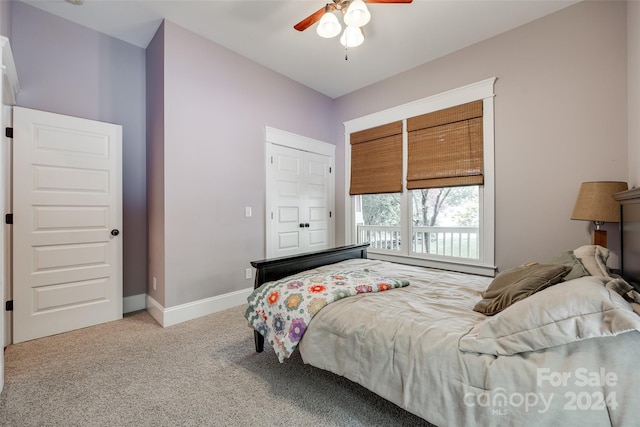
(398, 37)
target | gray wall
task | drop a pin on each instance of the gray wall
(560, 119)
(216, 106)
(155, 162)
(5, 18)
(68, 69)
(633, 90)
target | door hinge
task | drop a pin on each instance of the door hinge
(271, 215)
(271, 159)
(8, 132)
(8, 218)
(8, 306)
(329, 169)
(329, 214)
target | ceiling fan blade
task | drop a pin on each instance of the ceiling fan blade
(309, 20)
(388, 1)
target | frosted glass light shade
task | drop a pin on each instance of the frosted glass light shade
(328, 26)
(357, 14)
(352, 37)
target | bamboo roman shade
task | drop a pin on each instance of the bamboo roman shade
(445, 148)
(376, 160)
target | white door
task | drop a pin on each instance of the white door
(67, 213)
(284, 184)
(316, 191)
(300, 197)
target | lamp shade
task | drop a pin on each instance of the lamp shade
(357, 14)
(352, 37)
(595, 201)
(328, 26)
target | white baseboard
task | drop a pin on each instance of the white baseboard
(192, 310)
(134, 303)
(155, 310)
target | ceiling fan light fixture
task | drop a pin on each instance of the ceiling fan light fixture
(357, 14)
(354, 13)
(352, 37)
(328, 26)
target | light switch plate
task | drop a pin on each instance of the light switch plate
(247, 211)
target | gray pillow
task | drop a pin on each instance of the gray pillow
(517, 284)
(569, 259)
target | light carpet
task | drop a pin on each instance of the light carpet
(204, 372)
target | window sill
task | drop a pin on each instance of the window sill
(441, 264)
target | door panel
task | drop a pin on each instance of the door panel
(67, 197)
(74, 217)
(69, 294)
(317, 183)
(286, 174)
(288, 241)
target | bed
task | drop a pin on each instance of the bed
(564, 355)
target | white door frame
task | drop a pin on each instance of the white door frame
(9, 88)
(303, 143)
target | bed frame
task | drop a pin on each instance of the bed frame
(268, 270)
(630, 235)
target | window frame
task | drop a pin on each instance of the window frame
(482, 90)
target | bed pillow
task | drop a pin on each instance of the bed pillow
(569, 259)
(518, 283)
(620, 286)
(594, 258)
(567, 312)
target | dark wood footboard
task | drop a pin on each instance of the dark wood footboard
(268, 270)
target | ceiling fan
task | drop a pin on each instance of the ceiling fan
(355, 13)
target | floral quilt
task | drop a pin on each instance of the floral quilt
(281, 310)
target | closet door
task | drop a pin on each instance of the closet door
(316, 200)
(299, 201)
(285, 185)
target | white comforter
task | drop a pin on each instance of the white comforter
(404, 346)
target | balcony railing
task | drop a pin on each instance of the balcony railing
(459, 242)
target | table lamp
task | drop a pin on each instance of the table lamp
(595, 203)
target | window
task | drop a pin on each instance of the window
(378, 221)
(445, 222)
(443, 214)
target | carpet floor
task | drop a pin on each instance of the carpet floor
(204, 372)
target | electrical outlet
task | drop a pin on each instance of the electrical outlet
(155, 286)
(248, 273)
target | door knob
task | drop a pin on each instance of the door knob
(306, 224)
(301, 225)
(115, 232)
